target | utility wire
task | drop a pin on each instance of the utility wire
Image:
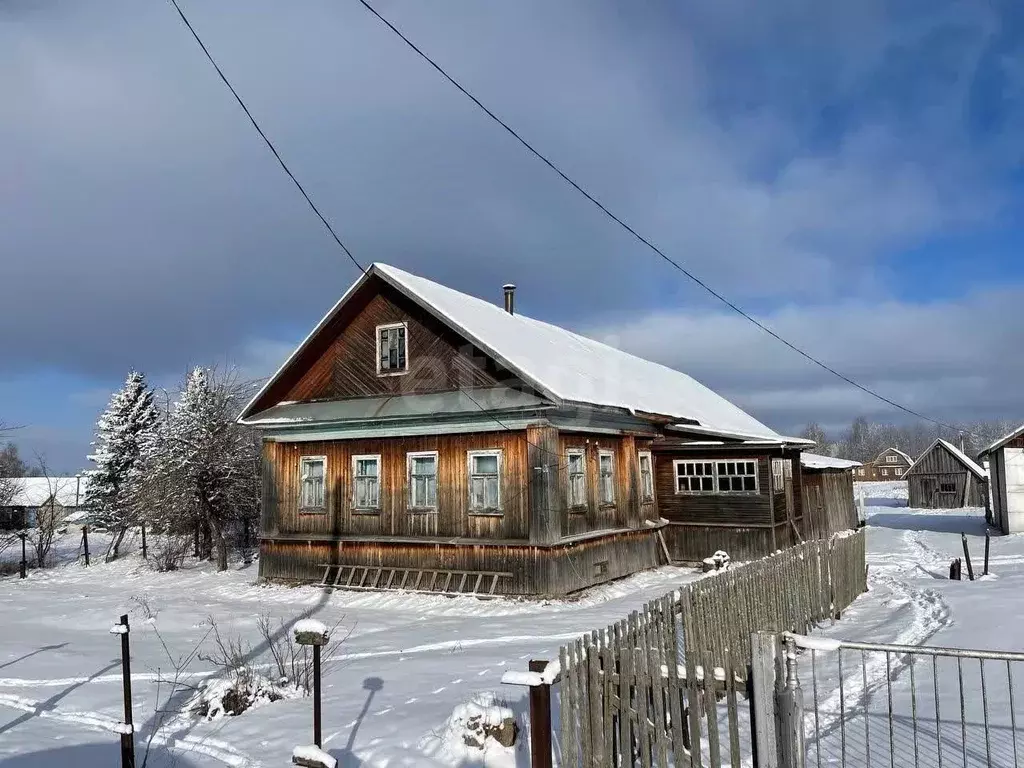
(309, 200)
(269, 143)
(566, 178)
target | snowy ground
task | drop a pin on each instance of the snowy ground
(912, 602)
(411, 661)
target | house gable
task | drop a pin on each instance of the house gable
(339, 361)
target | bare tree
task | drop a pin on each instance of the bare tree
(49, 515)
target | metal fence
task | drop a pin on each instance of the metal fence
(869, 705)
(669, 684)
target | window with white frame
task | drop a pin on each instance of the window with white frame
(646, 476)
(702, 476)
(423, 480)
(576, 460)
(890, 459)
(778, 474)
(484, 481)
(312, 476)
(885, 471)
(392, 349)
(366, 482)
(695, 476)
(606, 477)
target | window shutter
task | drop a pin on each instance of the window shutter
(401, 348)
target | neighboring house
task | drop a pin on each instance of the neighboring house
(827, 489)
(34, 496)
(890, 464)
(423, 438)
(944, 477)
(1005, 459)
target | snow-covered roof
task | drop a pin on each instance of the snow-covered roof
(816, 461)
(962, 457)
(562, 365)
(1004, 440)
(895, 450)
(36, 491)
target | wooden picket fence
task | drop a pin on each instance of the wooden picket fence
(644, 690)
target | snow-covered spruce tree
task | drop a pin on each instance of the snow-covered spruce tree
(121, 428)
(213, 462)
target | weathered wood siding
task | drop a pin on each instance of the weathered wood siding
(627, 511)
(828, 502)
(936, 469)
(452, 518)
(536, 570)
(691, 543)
(730, 509)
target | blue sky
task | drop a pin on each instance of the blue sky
(851, 173)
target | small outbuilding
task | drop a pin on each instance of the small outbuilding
(944, 477)
(1005, 459)
(827, 491)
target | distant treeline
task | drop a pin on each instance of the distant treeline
(864, 440)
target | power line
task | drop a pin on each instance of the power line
(269, 143)
(571, 182)
(309, 200)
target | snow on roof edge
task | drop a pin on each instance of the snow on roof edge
(817, 461)
(960, 456)
(1003, 440)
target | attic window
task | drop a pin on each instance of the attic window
(890, 459)
(392, 349)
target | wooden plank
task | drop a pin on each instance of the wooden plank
(568, 754)
(652, 644)
(671, 646)
(584, 709)
(595, 689)
(763, 663)
(608, 693)
(625, 740)
(692, 687)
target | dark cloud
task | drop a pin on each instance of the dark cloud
(779, 150)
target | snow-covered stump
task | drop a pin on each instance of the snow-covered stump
(314, 633)
(313, 757)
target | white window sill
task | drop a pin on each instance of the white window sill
(422, 510)
(486, 513)
(366, 511)
(312, 510)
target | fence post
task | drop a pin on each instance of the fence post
(127, 734)
(540, 719)
(988, 543)
(763, 720)
(143, 541)
(24, 557)
(791, 713)
(967, 557)
(85, 542)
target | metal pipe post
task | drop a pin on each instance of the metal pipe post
(24, 556)
(85, 542)
(143, 541)
(127, 739)
(317, 739)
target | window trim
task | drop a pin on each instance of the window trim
(714, 474)
(601, 502)
(892, 459)
(640, 471)
(409, 507)
(362, 510)
(385, 327)
(499, 510)
(582, 453)
(312, 510)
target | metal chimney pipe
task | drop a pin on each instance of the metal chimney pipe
(510, 298)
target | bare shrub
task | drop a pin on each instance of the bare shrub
(242, 684)
(167, 551)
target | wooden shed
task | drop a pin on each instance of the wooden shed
(944, 477)
(1005, 459)
(828, 502)
(421, 438)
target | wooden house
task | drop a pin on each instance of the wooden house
(944, 477)
(890, 464)
(421, 438)
(33, 497)
(827, 494)
(1005, 459)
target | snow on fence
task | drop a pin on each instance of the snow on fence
(643, 690)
